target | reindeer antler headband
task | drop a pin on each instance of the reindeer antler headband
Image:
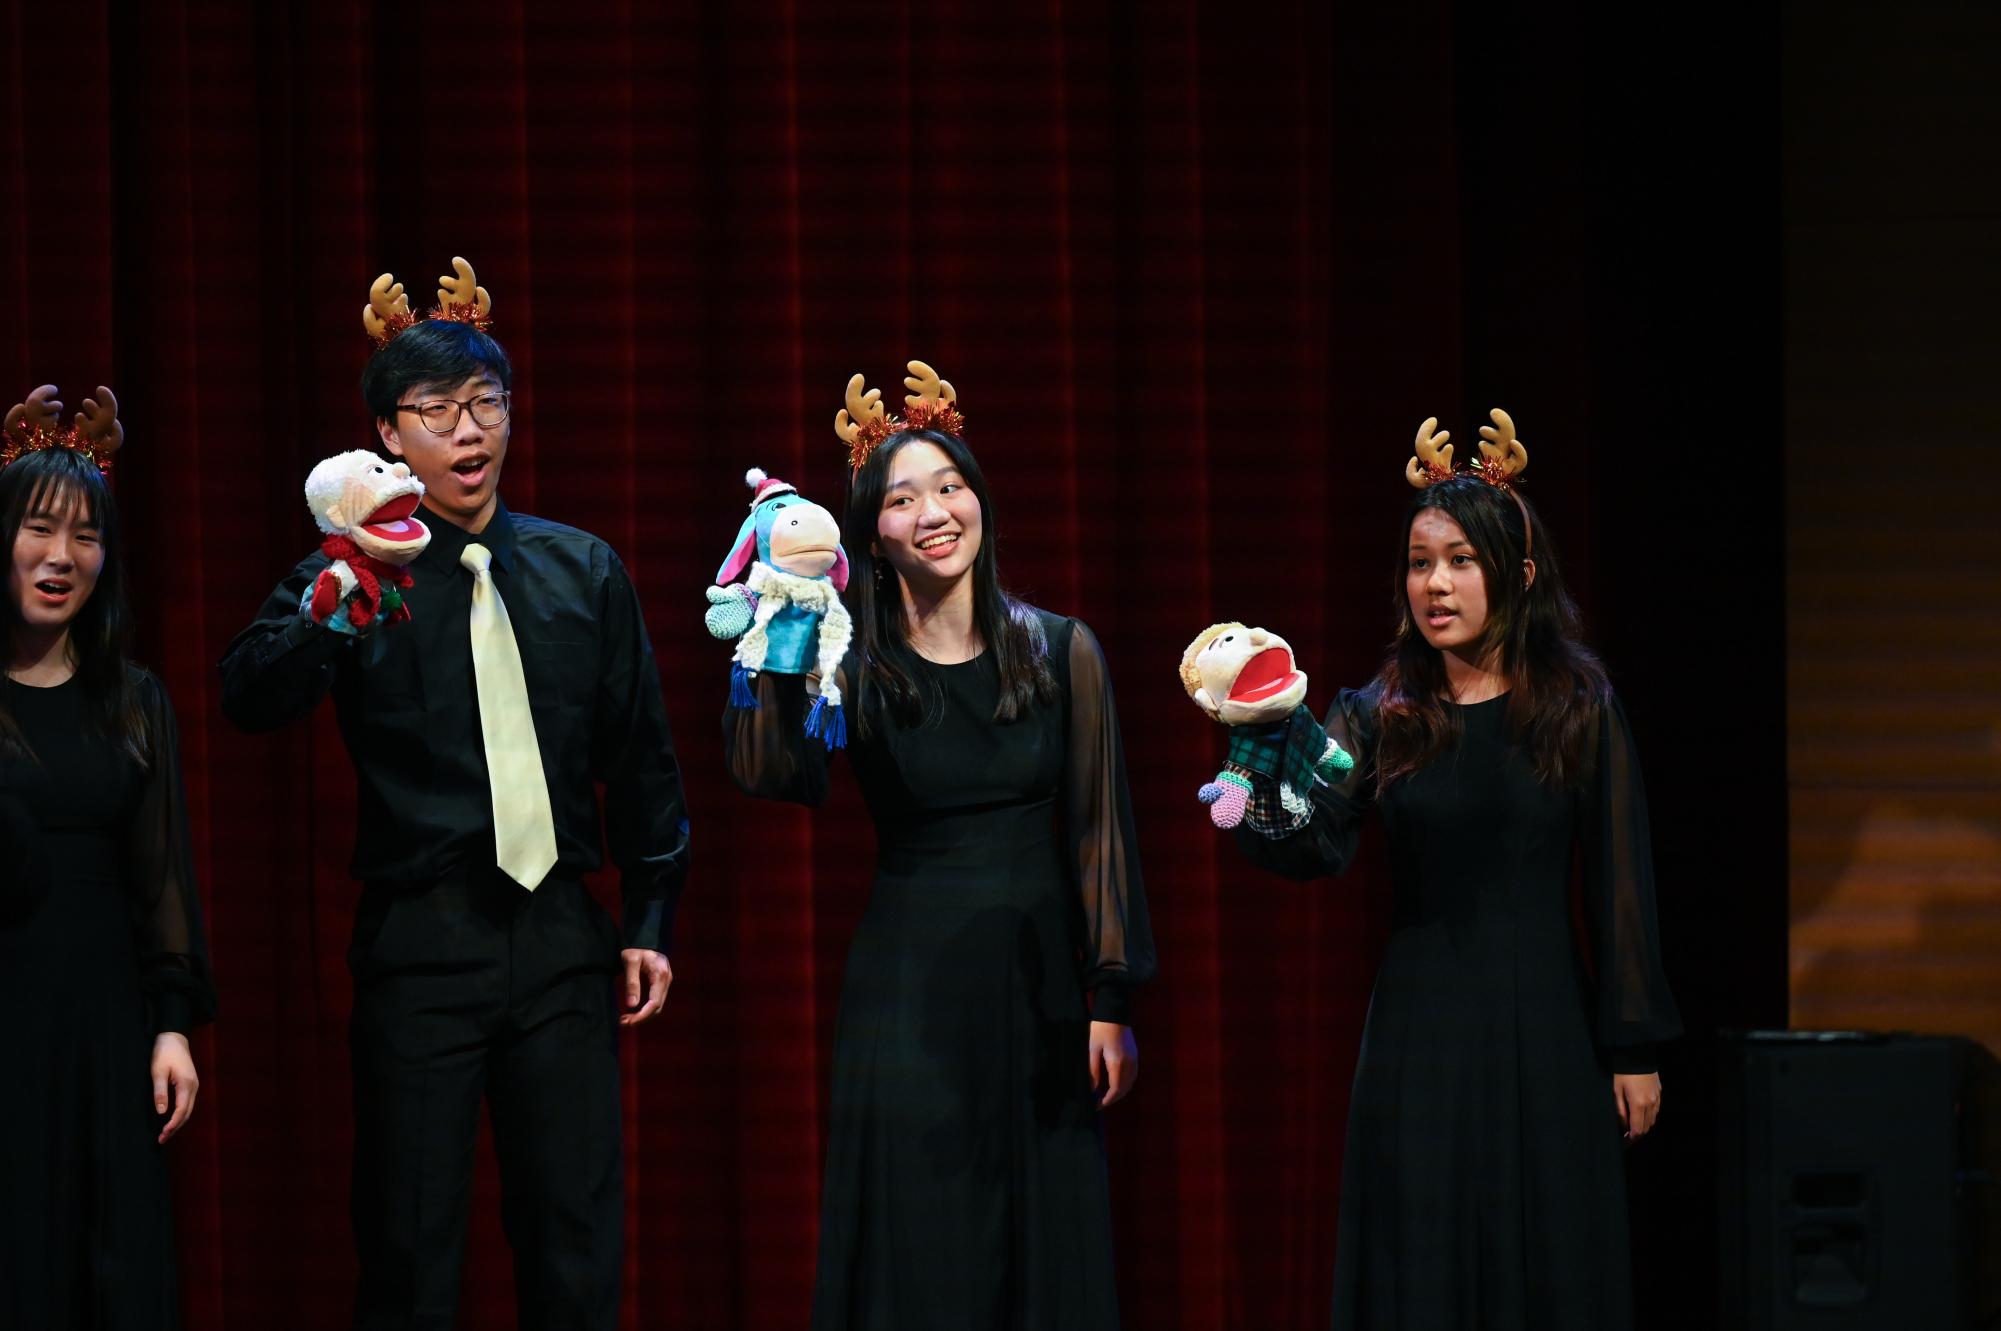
(460, 300)
(32, 426)
(1501, 462)
(931, 404)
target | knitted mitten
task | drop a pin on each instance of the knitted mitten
(1227, 796)
(730, 611)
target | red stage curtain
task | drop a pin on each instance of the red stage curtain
(1195, 271)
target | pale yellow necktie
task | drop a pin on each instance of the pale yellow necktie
(524, 830)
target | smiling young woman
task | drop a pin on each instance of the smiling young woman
(103, 969)
(985, 1010)
(1501, 1063)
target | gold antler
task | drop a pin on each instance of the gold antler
(463, 290)
(1433, 462)
(39, 412)
(926, 388)
(1505, 457)
(862, 409)
(386, 306)
(98, 423)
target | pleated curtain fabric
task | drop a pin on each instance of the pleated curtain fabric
(1166, 264)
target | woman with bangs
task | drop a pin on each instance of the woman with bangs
(1502, 1063)
(985, 1014)
(103, 969)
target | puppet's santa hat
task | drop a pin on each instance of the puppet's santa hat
(766, 487)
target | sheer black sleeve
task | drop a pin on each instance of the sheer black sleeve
(1634, 1007)
(277, 669)
(166, 903)
(632, 753)
(768, 751)
(1103, 847)
(1326, 845)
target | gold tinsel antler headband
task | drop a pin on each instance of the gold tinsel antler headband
(461, 299)
(931, 404)
(31, 427)
(1501, 462)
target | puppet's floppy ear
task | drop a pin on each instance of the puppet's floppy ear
(839, 572)
(742, 556)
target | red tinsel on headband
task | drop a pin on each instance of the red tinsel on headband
(393, 326)
(468, 313)
(869, 439)
(14, 447)
(940, 416)
(1493, 473)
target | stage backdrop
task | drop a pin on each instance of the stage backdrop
(1895, 722)
(1197, 272)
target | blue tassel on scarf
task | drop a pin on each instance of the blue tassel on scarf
(740, 694)
(829, 723)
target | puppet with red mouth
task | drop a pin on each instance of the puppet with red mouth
(1245, 678)
(366, 507)
(788, 606)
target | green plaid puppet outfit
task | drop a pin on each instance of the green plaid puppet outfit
(1286, 756)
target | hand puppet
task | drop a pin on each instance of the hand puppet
(1245, 678)
(365, 506)
(788, 605)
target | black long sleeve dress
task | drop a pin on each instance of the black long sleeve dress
(965, 1180)
(101, 949)
(1483, 1184)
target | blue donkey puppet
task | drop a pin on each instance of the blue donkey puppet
(788, 609)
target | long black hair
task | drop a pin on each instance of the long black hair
(886, 664)
(50, 481)
(1533, 639)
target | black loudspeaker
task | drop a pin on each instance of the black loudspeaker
(1855, 1182)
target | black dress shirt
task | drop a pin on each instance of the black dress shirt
(409, 711)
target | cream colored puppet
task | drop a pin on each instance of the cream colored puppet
(366, 506)
(1246, 679)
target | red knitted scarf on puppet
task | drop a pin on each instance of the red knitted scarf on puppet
(370, 573)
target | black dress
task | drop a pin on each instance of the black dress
(965, 1182)
(1483, 1184)
(100, 950)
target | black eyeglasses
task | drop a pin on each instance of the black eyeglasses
(441, 415)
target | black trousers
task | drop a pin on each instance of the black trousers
(472, 989)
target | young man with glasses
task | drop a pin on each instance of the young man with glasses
(482, 968)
